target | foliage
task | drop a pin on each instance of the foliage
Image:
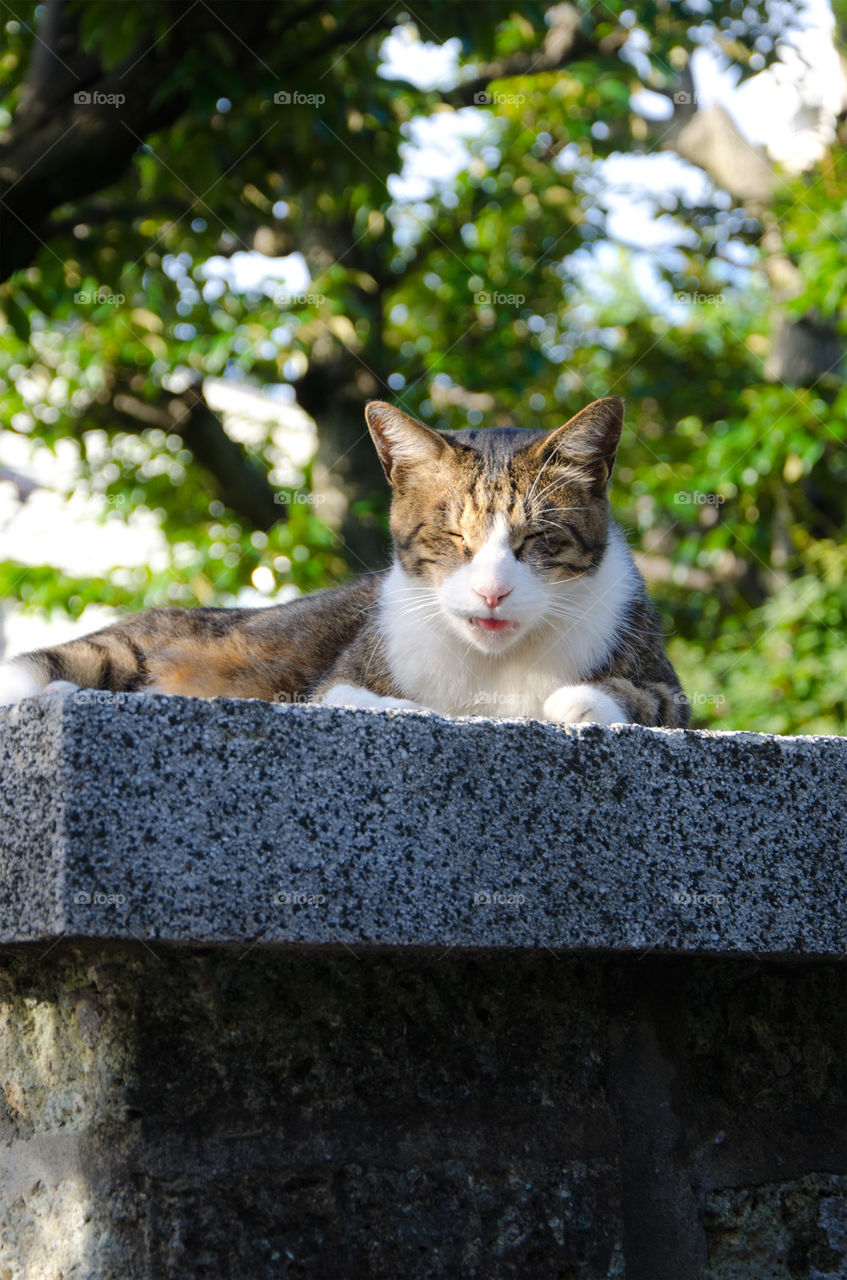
(496, 297)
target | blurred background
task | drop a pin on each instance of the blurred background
(226, 226)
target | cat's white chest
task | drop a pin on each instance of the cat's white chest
(446, 677)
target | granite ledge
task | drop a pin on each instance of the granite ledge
(137, 818)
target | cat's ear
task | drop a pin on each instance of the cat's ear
(586, 445)
(401, 441)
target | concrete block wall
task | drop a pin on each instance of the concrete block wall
(305, 992)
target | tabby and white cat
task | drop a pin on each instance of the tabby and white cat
(512, 593)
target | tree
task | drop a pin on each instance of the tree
(470, 305)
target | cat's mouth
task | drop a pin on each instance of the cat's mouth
(493, 624)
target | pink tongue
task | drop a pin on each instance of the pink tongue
(492, 624)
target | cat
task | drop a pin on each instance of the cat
(512, 593)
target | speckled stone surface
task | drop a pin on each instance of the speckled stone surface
(237, 822)
(423, 1083)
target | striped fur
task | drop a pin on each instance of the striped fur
(512, 593)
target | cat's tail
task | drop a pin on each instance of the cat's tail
(105, 660)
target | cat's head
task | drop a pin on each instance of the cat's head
(496, 522)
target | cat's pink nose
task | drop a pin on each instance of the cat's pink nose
(491, 595)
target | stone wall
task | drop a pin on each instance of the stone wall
(312, 993)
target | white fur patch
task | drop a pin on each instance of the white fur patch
(566, 630)
(352, 695)
(492, 573)
(17, 682)
(582, 704)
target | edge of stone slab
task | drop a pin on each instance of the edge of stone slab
(73, 708)
(175, 948)
(85, 699)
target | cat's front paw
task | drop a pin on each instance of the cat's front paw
(61, 686)
(352, 695)
(582, 704)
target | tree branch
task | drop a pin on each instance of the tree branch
(242, 483)
(59, 149)
(566, 40)
(102, 210)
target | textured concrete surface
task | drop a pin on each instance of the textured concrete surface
(129, 817)
(209, 1115)
(181, 1094)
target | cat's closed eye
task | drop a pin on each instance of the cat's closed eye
(523, 544)
(551, 541)
(459, 540)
